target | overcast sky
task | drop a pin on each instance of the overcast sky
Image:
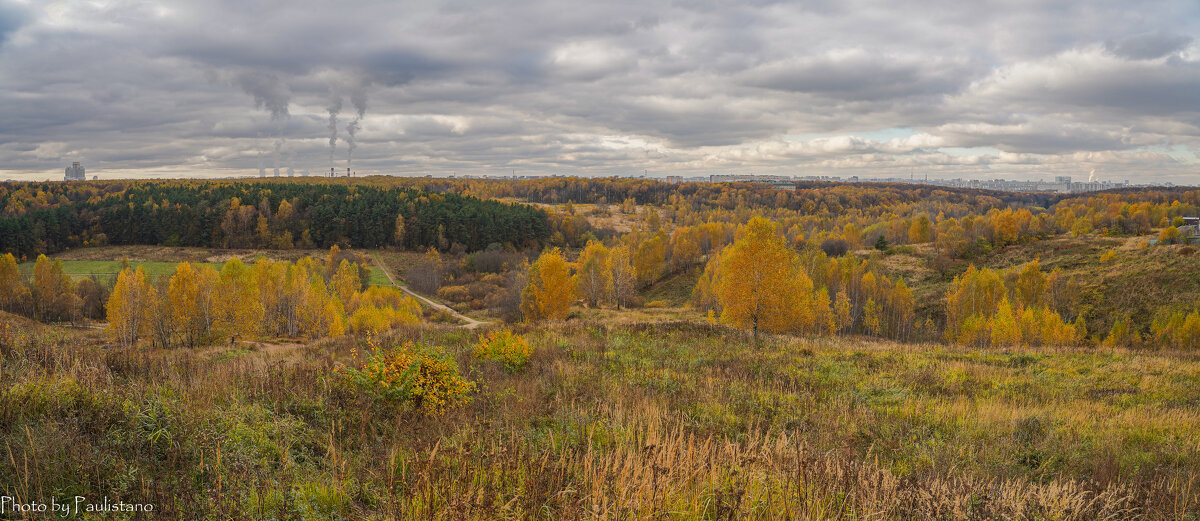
(1017, 89)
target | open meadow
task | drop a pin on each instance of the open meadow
(674, 420)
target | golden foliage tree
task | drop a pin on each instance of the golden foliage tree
(871, 317)
(346, 281)
(12, 291)
(1006, 332)
(921, 230)
(704, 295)
(594, 279)
(549, 292)
(842, 309)
(1168, 235)
(129, 306)
(193, 298)
(240, 308)
(651, 258)
(622, 275)
(51, 290)
(760, 285)
(1030, 284)
(319, 312)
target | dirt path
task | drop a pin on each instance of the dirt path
(470, 322)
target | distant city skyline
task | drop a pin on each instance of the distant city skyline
(973, 90)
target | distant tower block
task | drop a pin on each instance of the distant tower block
(75, 173)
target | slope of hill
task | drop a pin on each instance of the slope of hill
(642, 421)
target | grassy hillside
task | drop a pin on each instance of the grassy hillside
(672, 420)
(1137, 280)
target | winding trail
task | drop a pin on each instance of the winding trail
(470, 322)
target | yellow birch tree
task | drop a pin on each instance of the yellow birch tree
(549, 292)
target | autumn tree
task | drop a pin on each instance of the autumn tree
(129, 306)
(1030, 284)
(162, 326)
(704, 294)
(871, 316)
(842, 309)
(651, 258)
(760, 285)
(1168, 235)
(240, 307)
(920, 231)
(549, 292)
(594, 279)
(346, 281)
(426, 276)
(1006, 332)
(319, 313)
(193, 298)
(622, 275)
(12, 292)
(51, 290)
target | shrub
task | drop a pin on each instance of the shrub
(505, 347)
(656, 304)
(835, 247)
(1169, 235)
(373, 320)
(423, 375)
(1108, 256)
(443, 317)
(454, 293)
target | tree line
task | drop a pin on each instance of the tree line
(50, 217)
(309, 298)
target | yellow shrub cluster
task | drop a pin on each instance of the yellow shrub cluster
(423, 375)
(505, 347)
(380, 309)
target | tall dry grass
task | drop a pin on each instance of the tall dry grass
(642, 422)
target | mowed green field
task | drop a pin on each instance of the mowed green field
(106, 270)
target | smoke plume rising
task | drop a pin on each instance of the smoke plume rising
(358, 98)
(270, 94)
(335, 106)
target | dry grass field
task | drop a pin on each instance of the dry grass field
(677, 420)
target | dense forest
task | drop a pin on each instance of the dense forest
(50, 217)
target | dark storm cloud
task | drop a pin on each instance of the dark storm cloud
(210, 87)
